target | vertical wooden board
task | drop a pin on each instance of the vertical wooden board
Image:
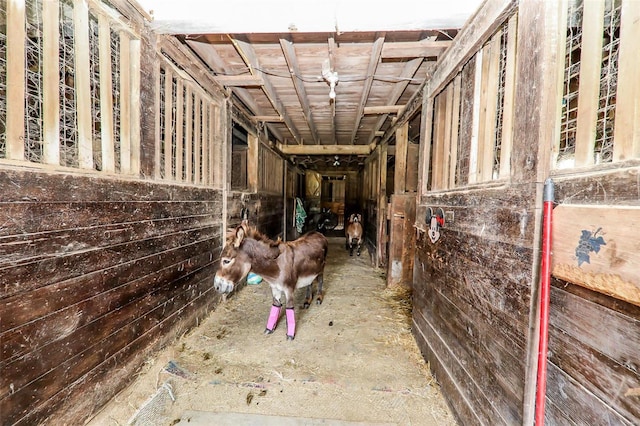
(402, 135)
(51, 76)
(509, 93)
(627, 127)
(477, 118)
(197, 153)
(455, 121)
(16, 36)
(106, 95)
(134, 131)
(490, 104)
(168, 121)
(438, 141)
(179, 130)
(446, 145)
(188, 136)
(82, 83)
(213, 110)
(590, 64)
(597, 247)
(125, 102)
(426, 131)
(413, 155)
(205, 142)
(157, 134)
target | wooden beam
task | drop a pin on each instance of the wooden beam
(267, 118)
(509, 96)
(106, 95)
(386, 109)
(374, 60)
(331, 46)
(407, 73)
(294, 70)
(326, 149)
(421, 49)
(245, 50)
(239, 80)
(213, 60)
(400, 177)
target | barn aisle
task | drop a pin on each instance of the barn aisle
(353, 361)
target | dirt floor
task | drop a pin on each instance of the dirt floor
(353, 361)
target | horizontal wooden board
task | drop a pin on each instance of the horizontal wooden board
(598, 247)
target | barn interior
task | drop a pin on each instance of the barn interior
(134, 134)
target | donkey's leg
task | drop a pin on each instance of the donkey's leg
(320, 293)
(291, 314)
(359, 245)
(274, 314)
(308, 297)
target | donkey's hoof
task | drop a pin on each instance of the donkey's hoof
(319, 301)
(290, 337)
(267, 331)
(306, 304)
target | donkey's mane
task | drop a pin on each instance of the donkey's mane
(252, 232)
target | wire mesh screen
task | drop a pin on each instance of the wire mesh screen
(3, 79)
(174, 116)
(68, 128)
(603, 152)
(94, 78)
(465, 132)
(502, 72)
(569, 119)
(33, 82)
(115, 93)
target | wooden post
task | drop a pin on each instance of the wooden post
(455, 119)
(509, 93)
(188, 139)
(426, 123)
(125, 103)
(382, 206)
(179, 158)
(252, 162)
(197, 158)
(134, 133)
(168, 121)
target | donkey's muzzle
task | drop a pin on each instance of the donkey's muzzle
(221, 285)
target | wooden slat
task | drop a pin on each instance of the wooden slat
(508, 96)
(487, 144)
(476, 126)
(400, 178)
(589, 250)
(455, 118)
(444, 153)
(82, 83)
(424, 165)
(135, 107)
(157, 166)
(239, 80)
(125, 102)
(325, 149)
(106, 95)
(168, 117)
(627, 125)
(213, 149)
(188, 136)
(590, 64)
(438, 141)
(16, 36)
(51, 83)
(197, 158)
(179, 157)
(206, 147)
(421, 49)
(386, 109)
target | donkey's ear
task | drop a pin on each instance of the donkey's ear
(240, 233)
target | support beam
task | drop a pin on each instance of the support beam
(374, 60)
(386, 109)
(294, 70)
(267, 118)
(326, 149)
(239, 80)
(422, 49)
(245, 50)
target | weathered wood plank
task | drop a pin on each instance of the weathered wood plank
(16, 35)
(106, 95)
(51, 82)
(591, 249)
(125, 68)
(82, 83)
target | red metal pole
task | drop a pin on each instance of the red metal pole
(545, 283)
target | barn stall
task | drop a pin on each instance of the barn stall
(129, 145)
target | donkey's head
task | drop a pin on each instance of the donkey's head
(235, 263)
(355, 218)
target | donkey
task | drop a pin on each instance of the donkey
(286, 266)
(354, 233)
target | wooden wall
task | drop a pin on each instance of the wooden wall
(476, 289)
(594, 362)
(266, 211)
(97, 273)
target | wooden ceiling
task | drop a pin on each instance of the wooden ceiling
(283, 81)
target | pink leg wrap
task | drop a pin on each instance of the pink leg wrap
(273, 318)
(291, 323)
